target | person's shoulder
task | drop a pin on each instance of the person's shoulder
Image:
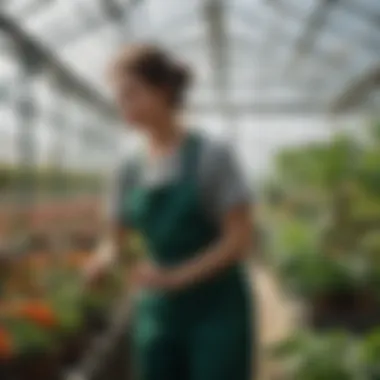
(215, 148)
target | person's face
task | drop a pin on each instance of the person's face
(141, 104)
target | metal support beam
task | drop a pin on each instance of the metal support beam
(278, 36)
(263, 108)
(217, 42)
(90, 22)
(47, 59)
(59, 119)
(118, 15)
(274, 33)
(335, 29)
(360, 11)
(352, 95)
(25, 112)
(115, 14)
(214, 14)
(306, 39)
(34, 8)
(291, 12)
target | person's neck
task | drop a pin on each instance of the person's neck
(165, 138)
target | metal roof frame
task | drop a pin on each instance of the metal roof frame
(214, 12)
(48, 59)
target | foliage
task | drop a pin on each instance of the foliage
(48, 181)
(328, 238)
(52, 304)
(320, 165)
(331, 356)
(28, 337)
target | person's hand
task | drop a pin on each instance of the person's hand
(149, 276)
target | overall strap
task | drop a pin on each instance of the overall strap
(191, 156)
(130, 175)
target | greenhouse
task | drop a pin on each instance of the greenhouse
(293, 86)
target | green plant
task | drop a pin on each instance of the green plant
(329, 242)
(370, 354)
(28, 337)
(334, 356)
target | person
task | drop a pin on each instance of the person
(184, 193)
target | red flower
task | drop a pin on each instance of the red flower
(39, 313)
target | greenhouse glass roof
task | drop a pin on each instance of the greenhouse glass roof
(249, 55)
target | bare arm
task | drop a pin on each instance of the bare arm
(230, 199)
(232, 247)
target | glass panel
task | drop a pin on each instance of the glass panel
(243, 75)
(370, 5)
(333, 48)
(201, 95)
(63, 21)
(257, 16)
(303, 8)
(90, 56)
(354, 31)
(367, 10)
(198, 61)
(95, 7)
(9, 74)
(192, 31)
(235, 26)
(160, 11)
(56, 18)
(19, 6)
(350, 23)
(239, 94)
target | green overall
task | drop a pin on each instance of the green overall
(203, 332)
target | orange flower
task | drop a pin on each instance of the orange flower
(39, 313)
(6, 346)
